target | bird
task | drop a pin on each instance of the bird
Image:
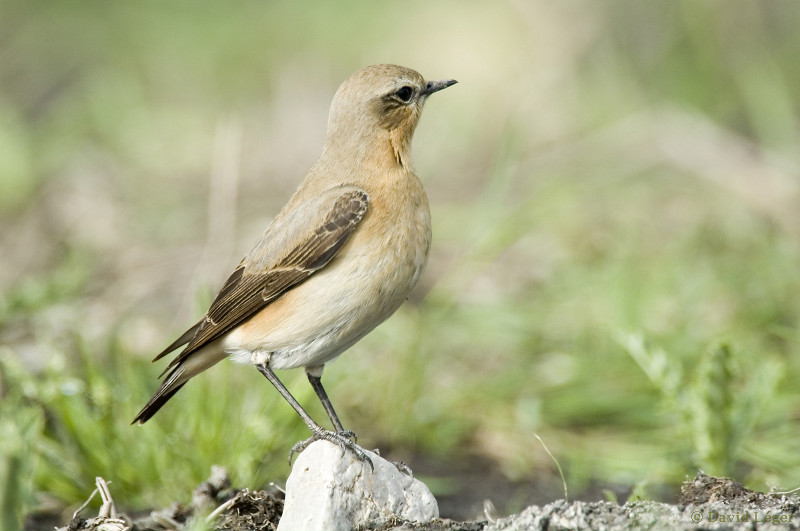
(340, 257)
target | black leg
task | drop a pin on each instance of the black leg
(269, 375)
(316, 383)
(342, 438)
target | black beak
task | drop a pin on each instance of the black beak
(436, 86)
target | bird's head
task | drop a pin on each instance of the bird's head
(380, 101)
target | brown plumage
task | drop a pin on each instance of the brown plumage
(339, 258)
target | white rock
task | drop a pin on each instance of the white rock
(331, 490)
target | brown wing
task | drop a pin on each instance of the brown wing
(246, 292)
(187, 336)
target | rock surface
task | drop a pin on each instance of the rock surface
(331, 489)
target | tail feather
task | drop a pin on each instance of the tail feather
(154, 405)
(170, 386)
(190, 366)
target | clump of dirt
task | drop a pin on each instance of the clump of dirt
(252, 511)
(708, 489)
(213, 500)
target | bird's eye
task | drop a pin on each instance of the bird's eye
(404, 94)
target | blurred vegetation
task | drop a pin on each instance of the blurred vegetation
(614, 186)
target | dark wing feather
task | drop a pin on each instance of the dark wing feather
(246, 292)
(185, 338)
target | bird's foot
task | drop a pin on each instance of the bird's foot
(344, 439)
(399, 465)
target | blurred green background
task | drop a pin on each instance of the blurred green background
(615, 189)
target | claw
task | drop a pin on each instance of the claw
(404, 468)
(349, 434)
(344, 439)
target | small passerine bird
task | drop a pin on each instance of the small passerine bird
(339, 258)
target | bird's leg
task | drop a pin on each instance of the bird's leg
(317, 431)
(315, 379)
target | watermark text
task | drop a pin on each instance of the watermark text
(745, 516)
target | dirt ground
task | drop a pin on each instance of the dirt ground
(705, 502)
